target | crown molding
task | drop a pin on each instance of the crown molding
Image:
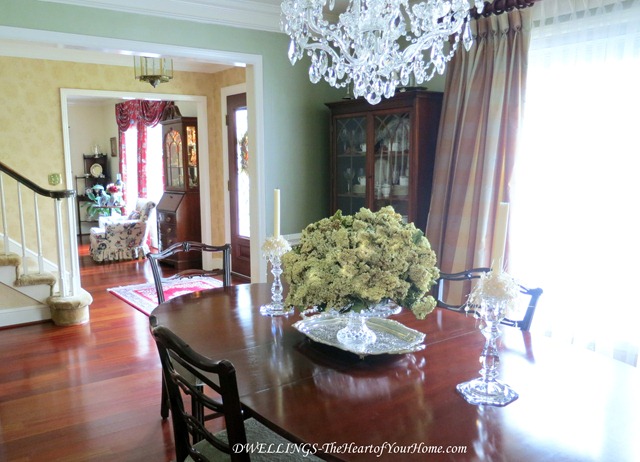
(60, 46)
(259, 15)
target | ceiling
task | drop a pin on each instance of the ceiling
(250, 14)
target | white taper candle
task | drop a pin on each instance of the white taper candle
(500, 236)
(276, 212)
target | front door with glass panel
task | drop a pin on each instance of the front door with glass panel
(239, 184)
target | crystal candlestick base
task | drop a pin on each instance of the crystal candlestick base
(486, 389)
(273, 249)
(356, 333)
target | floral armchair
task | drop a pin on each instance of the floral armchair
(122, 239)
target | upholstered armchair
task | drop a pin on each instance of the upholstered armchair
(139, 213)
(122, 239)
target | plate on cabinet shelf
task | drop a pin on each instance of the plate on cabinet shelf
(95, 170)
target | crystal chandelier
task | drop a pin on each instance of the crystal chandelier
(153, 70)
(377, 44)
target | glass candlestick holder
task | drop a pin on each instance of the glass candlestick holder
(487, 389)
(273, 249)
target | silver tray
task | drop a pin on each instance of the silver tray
(391, 336)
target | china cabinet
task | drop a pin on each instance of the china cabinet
(383, 154)
(178, 210)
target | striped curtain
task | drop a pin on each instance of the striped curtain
(483, 98)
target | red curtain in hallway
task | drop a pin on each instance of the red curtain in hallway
(142, 114)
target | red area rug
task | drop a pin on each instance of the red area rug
(143, 296)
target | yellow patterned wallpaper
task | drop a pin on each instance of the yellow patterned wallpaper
(30, 121)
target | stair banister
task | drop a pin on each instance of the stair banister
(65, 289)
(39, 235)
(23, 239)
(4, 216)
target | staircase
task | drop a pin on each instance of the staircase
(23, 297)
(34, 288)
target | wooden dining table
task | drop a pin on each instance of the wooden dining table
(573, 405)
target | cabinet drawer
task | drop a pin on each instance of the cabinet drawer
(167, 229)
(164, 217)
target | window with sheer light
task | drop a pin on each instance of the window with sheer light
(576, 186)
(154, 167)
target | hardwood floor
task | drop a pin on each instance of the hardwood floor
(85, 393)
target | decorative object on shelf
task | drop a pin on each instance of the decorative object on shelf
(385, 189)
(491, 300)
(377, 44)
(349, 174)
(113, 141)
(96, 170)
(353, 262)
(153, 70)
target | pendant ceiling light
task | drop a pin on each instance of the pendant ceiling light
(377, 44)
(153, 70)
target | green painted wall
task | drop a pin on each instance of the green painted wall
(295, 119)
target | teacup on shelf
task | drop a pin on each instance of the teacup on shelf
(385, 190)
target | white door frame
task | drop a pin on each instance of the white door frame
(255, 100)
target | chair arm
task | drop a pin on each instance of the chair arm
(124, 225)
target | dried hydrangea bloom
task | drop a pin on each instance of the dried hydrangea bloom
(356, 261)
(495, 286)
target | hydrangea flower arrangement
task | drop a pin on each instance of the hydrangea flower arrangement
(356, 261)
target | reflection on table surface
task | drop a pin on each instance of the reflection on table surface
(573, 405)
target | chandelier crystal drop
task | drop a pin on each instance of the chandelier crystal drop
(376, 44)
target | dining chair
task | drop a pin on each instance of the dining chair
(158, 278)
(193, 441)
(531, 296)
(182, 248)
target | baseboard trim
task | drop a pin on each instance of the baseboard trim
(24, 315)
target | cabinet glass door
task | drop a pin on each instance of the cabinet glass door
(192, 158)
(175, 168)
(391, 171)
(351, 164)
